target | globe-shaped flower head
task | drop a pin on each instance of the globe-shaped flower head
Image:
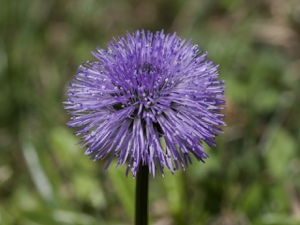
(149, 99)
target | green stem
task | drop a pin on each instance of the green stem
(141, 196)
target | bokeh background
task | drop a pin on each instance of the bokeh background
(251, 177)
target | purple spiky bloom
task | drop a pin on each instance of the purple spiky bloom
(149, 99)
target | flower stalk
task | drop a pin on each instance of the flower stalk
(141, 196)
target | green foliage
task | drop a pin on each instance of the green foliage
(251, 177)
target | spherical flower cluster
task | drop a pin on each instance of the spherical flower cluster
(149, 99)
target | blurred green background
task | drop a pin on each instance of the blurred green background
(251, 177)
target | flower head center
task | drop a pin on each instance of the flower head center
(145, 92)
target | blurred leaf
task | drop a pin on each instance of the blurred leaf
(265, 100)
(279, 199)
(278, 219)
(251, 199)
(200, 170)
(124, 188)
(230, 4)
(280, 153)
(38, 174)
(237, 91)
(68, 152)
(87, 188)
(175, 193)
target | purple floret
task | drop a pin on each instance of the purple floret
(149, 99)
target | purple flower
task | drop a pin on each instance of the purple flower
(149, 99)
